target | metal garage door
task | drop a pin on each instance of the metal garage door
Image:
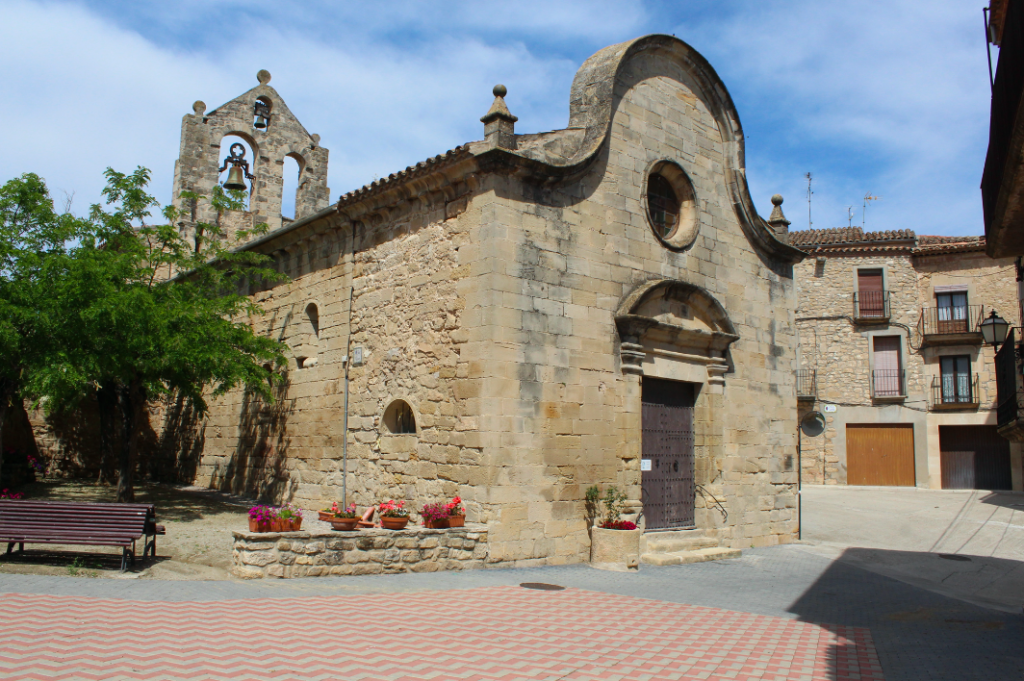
(880, 454)
(974, 457)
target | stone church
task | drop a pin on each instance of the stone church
(524, 316)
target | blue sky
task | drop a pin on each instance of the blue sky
(883, 97)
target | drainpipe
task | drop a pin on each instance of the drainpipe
(346, 362)
(799, 483)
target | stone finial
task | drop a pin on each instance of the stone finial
(777, 220)
(263, 76)
(499, 123)
(316, 139)
(199, 107)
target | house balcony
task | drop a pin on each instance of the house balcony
(1002, 184)
(1009, 390)
(951, 325)
(888, 385)
(871, 307)
(807, 385)
(955, 392)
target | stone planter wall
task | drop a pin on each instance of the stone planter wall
(360, 552)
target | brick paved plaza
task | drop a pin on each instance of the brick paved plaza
(780, 613)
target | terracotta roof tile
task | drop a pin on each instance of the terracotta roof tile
(846, 235)
(420, 168)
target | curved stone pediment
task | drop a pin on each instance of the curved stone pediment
(671, 321)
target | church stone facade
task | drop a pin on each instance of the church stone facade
(525, 316)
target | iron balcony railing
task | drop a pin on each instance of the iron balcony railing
(944, 321)
(871, 305)
(1008, 382)
(887, 383)
(806, 384)
(1006, 95)
(950, 391)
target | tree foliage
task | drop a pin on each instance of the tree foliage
(140, 310)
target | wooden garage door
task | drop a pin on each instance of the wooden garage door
(880, 454)
(974, 457)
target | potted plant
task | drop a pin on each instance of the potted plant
(259, 518)
(456, 513)
(345, 520)
(290, 517)
(615, 543)
(435, 516)
(393, 515)
(328, 513)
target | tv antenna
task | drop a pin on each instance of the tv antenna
(810, 223)
(864, 212)
(849, 216)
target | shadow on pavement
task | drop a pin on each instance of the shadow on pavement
(1014, 501)
(918, 634)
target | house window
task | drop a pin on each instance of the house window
(952, 312)
(956, 379)
(871, 299)
(887, 375)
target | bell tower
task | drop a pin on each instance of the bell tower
(261, 132)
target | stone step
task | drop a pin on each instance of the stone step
(672, 542)
(687, 557)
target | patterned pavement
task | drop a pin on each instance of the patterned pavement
(493, 633)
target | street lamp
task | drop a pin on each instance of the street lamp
(993, 329)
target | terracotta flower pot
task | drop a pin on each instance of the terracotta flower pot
(456, 521)
(276, 525)
(326, 516)
(439, 524)
(390, 523)
(256, 526)
(293, 524)
(344, 524)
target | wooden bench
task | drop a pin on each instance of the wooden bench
(79, 523)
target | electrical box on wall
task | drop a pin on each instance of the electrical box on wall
(357, 356)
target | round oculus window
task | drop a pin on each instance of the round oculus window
(671, 205)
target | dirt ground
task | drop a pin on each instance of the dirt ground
(197, 544)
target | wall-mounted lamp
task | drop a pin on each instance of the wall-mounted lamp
(993, 329)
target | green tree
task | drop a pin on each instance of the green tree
(144, 312)
(34, 250)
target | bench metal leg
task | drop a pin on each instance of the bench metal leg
(125, 556)
(10, 546)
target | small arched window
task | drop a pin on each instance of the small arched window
(314, 318)
(399, 419)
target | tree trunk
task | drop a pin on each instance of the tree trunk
(127, 399)
(106, 400)
(6, 393)
(3, 418)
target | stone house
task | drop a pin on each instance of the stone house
(892, 360)
(522, 317)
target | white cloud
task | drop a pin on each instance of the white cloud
(888, 97)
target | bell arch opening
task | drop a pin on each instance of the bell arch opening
(291, 179)
(229, 146)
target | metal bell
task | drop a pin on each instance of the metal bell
(260, 123)
(235, 181)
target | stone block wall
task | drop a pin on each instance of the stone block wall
(839, 348)
(361, 552)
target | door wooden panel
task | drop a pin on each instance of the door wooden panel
(974, 457)
(668, 444)
(880, 454)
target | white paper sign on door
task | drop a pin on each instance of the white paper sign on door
(645, 464)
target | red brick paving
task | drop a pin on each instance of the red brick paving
(500, 633)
